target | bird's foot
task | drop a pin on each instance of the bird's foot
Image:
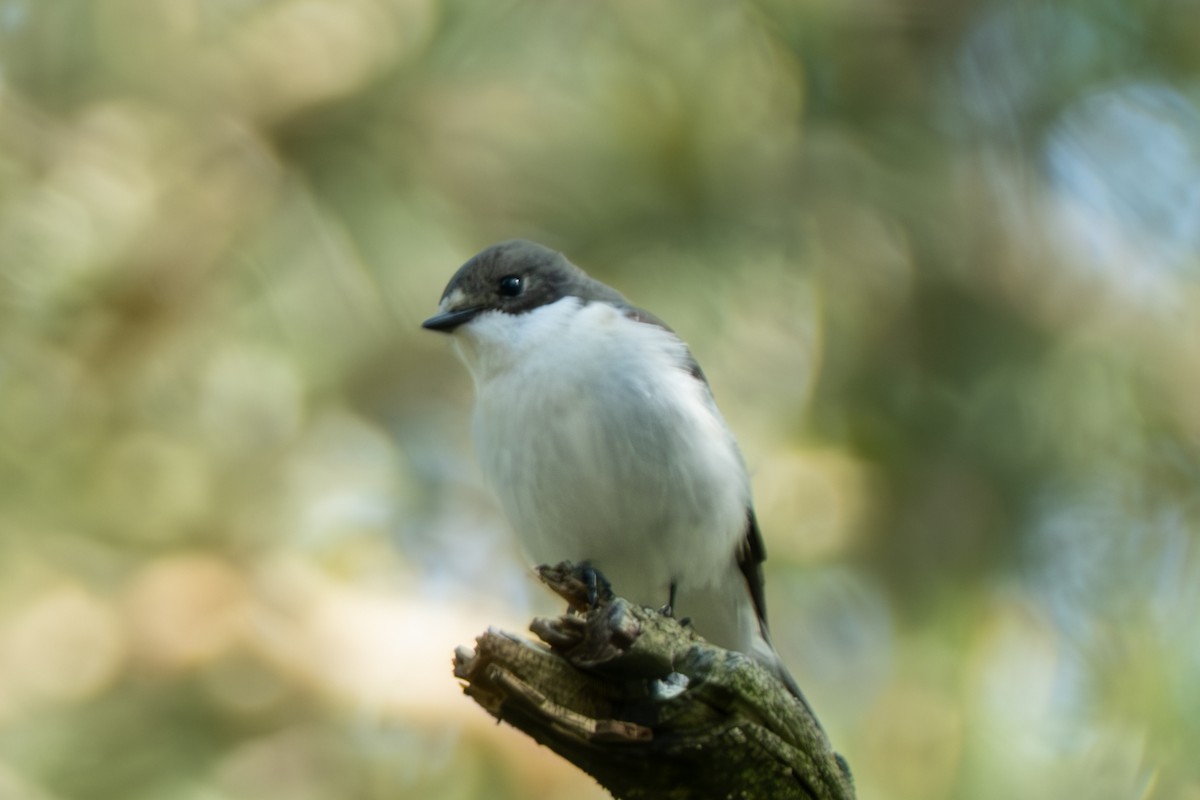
(669, 609)
(583, 586)
(591, 581)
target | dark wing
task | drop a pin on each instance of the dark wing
(750, 557)
(751, 552)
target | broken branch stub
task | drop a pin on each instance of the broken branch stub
(647, 707)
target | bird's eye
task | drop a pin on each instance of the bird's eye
(511, 285)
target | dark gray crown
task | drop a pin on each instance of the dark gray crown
(486, 283)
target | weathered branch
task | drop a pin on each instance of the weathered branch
(647, 707)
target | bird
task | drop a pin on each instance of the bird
(600, 436)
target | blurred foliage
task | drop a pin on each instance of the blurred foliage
(940, 259)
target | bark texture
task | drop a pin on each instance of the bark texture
(648, 708)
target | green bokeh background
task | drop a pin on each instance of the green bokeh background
(940, 261)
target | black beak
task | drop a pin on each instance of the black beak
(451, 319)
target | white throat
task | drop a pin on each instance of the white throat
(494, 342)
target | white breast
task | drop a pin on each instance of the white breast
(602, 446)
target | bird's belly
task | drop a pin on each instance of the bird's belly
(636, 475)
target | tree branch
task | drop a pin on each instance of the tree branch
(647, 707)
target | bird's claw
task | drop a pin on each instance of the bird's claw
(669, 609)
(591, 581)
(583, 586)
